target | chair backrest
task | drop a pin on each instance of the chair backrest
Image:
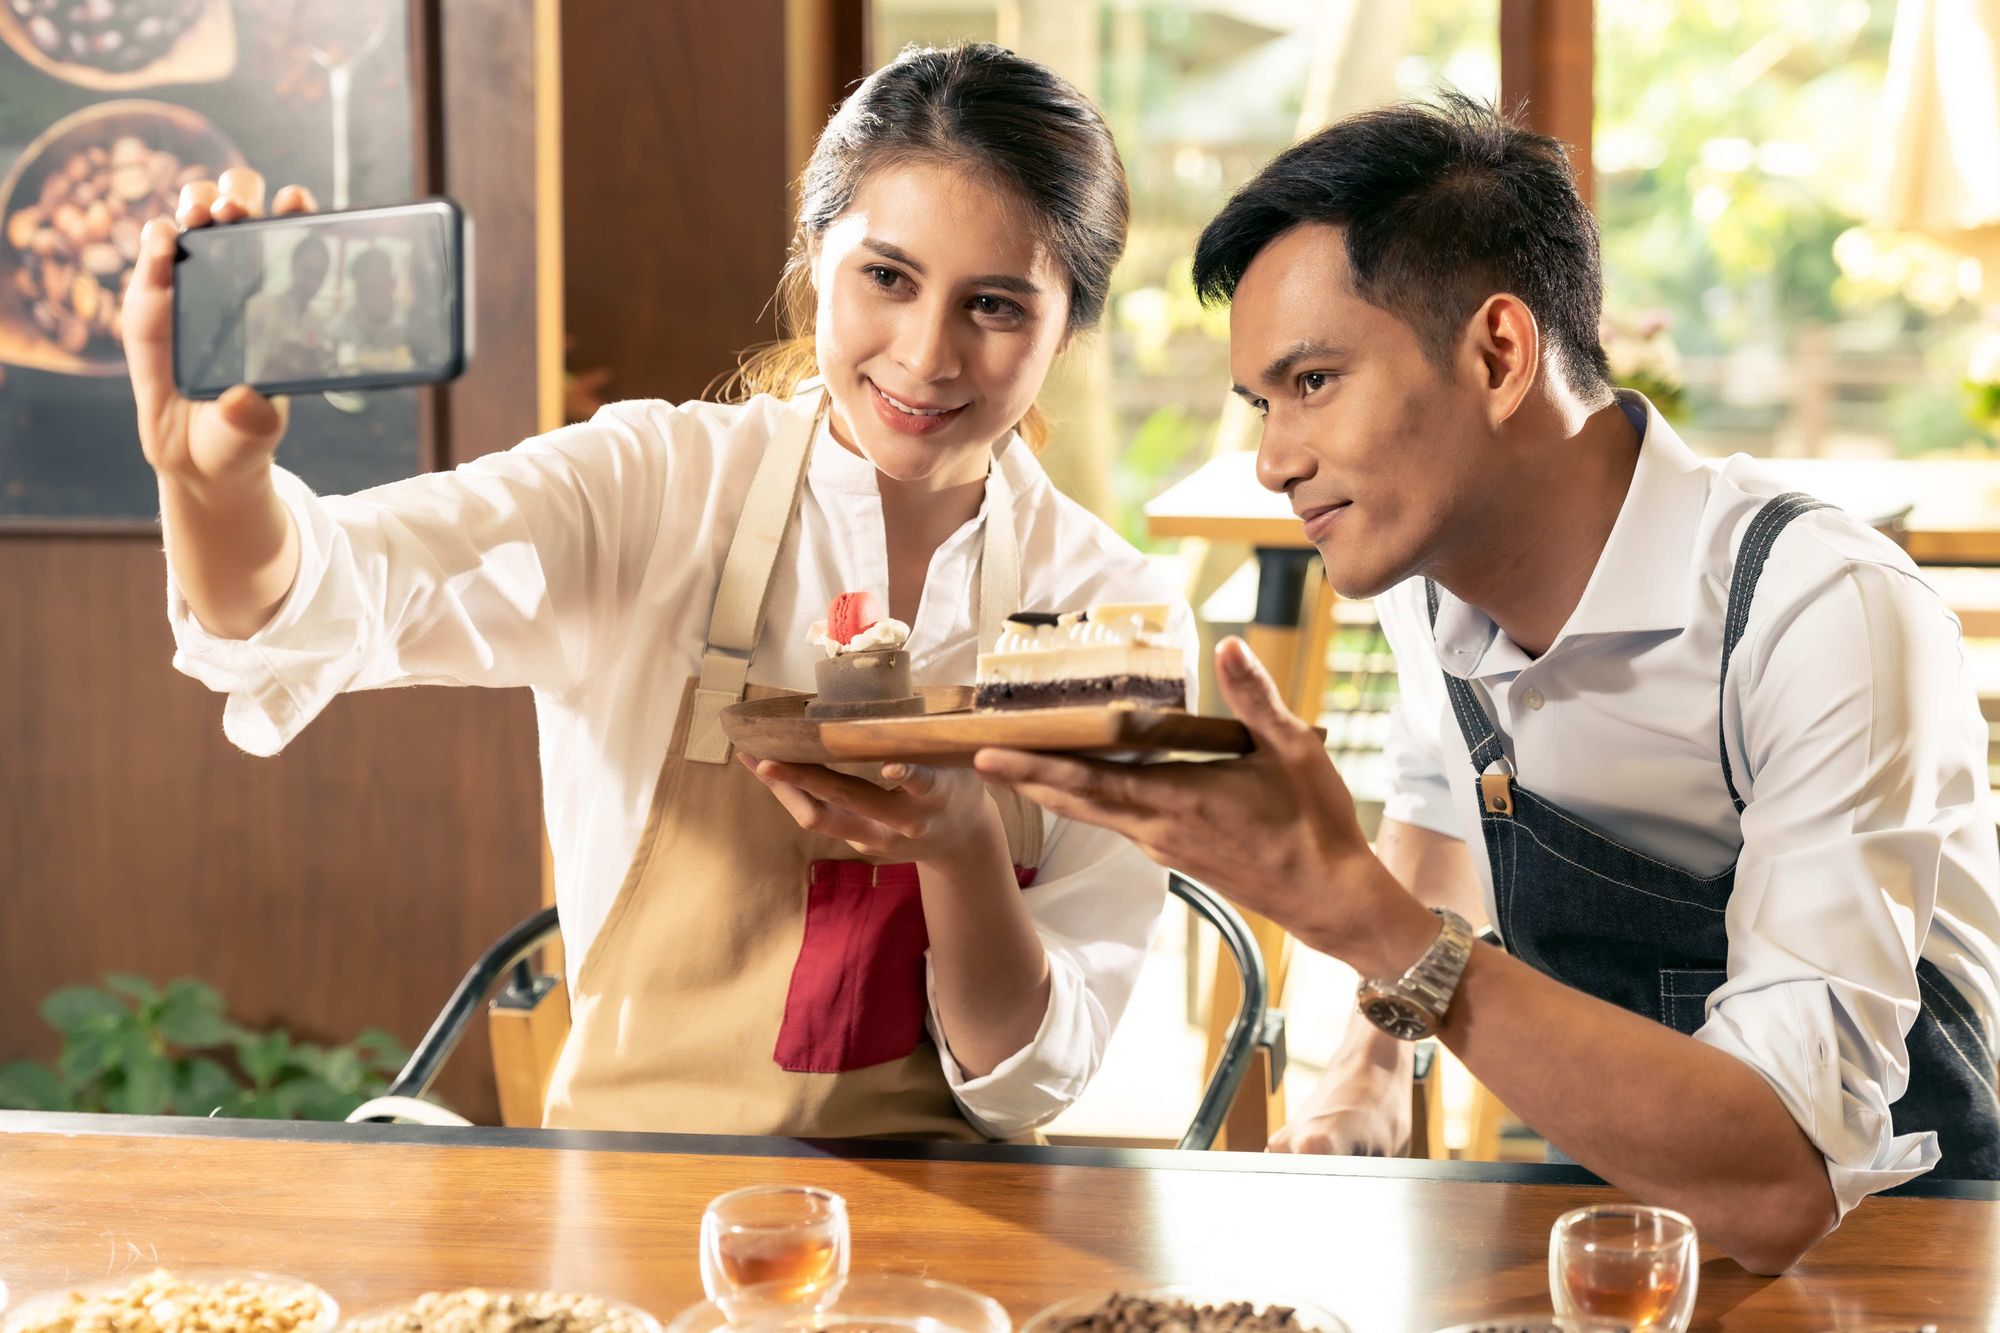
(1255, 1025)
(506, 958)
(526, 992)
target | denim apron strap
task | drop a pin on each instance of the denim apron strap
(1761, 536)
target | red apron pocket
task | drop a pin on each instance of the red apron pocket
(857, 994)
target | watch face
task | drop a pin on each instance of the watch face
(1397, 1017)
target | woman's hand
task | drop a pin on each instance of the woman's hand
(203, 446)
(991, 973)
(229, 538)
(930, 815)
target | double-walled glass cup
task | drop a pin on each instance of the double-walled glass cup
(787, 1241)
(1625, 1263)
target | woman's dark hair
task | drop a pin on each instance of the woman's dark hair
(1010, 120)
(1442, 206)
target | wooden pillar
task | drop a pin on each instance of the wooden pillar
(827, 49)
(494, 104)
(677, 175)
(1547, 61)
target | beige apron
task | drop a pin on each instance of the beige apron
(753, 978)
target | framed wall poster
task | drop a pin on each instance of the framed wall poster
(106, 108)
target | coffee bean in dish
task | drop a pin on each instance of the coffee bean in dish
(1544, 1324)
(117, 36)
(77, 243)
(1122, 1313)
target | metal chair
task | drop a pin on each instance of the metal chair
(1256, 1036)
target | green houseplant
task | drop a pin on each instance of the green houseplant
(134, 1048)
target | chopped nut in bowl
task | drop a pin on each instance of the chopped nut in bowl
(70, 215)
(1185, 1309)
(189, 1301)
(475, 1310)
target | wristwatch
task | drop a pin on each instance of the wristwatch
(1412, 1006)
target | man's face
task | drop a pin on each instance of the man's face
(375, 294)
(1377, 445)
(309, 265)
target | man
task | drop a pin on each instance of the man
(284, 336)
(369, 335)
(1740, 852)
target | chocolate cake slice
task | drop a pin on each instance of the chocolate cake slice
(1111, 654)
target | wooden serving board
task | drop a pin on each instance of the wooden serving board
(952, 733)
(779, 728)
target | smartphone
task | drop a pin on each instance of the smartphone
(363, 298)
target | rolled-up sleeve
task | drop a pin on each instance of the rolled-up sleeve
(498, 573)
(1866, 786)
(1096, 902)
(1419, 792)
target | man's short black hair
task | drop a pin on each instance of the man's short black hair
(1442, 205)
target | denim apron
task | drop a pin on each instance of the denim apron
(1649, 937)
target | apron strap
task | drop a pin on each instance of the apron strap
(999, 598)
(1482, 738)
(1758, 539)
(999, 560)
(738, 617)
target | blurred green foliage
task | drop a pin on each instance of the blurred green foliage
(133, 1048)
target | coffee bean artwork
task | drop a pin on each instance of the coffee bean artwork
(76, 244)
(117, 36)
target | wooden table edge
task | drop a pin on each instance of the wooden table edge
(718, 1145)
(72, 1124)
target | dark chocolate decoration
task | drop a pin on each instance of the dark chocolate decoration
(1036, 618)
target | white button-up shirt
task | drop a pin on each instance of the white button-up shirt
(1854, 736)
(584, 565)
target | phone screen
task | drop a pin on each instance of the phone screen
(357, 299)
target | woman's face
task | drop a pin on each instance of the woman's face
(940, 312)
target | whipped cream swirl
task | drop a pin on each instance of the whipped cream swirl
(883, 635)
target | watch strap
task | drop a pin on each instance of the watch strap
(1432, 980)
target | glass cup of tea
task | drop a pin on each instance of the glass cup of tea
(789, 1242)
(1624, 1263)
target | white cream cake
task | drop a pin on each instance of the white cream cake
(1111, 654)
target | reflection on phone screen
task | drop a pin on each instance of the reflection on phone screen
(342, 297)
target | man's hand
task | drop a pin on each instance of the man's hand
(1275, 831)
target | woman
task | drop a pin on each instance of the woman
(753, 947)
